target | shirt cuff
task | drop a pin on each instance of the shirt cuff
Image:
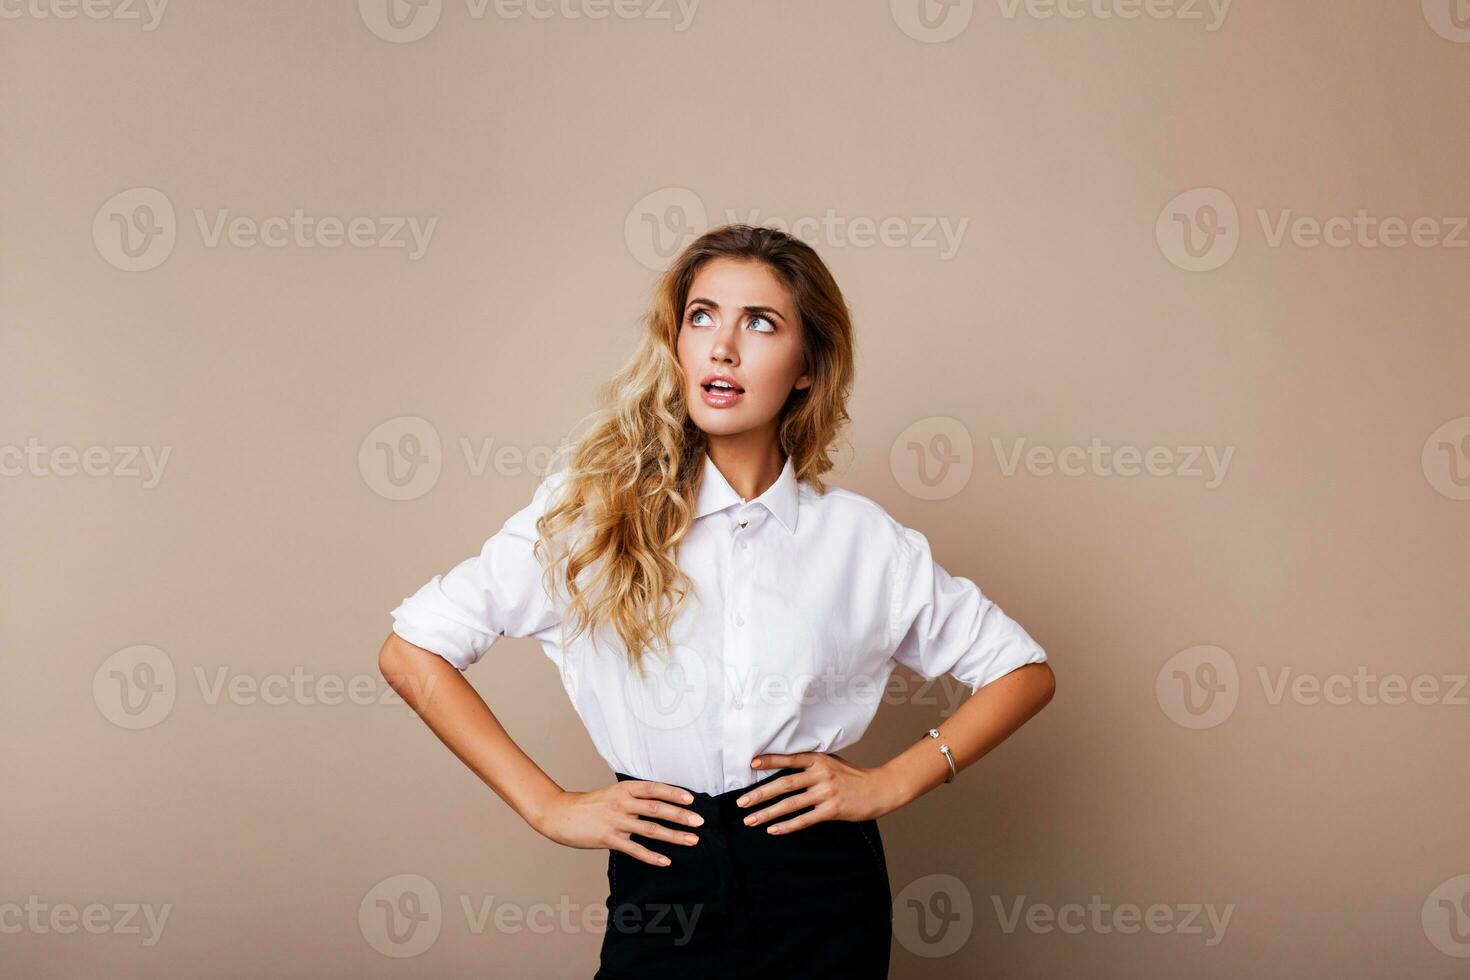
(455, 642)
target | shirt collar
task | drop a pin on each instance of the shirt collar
(780, 498)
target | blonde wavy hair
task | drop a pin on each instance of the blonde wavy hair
(633, 477)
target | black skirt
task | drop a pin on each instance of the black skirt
(812, 903)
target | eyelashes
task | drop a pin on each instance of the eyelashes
(698, 310)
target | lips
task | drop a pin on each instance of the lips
(708, 384)
(717, 397)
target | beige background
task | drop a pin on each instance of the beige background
(547, 150)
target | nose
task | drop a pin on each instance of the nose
(724, 347)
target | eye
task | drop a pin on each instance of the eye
(760, 319)
(697, 313)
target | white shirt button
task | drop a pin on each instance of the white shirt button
(739, 620)
(745, 546)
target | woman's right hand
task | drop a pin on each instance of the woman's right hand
(607, 817)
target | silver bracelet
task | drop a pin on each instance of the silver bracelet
(934, 733)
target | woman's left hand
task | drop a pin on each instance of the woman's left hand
(835, 789)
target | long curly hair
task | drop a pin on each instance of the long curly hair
(633, 477)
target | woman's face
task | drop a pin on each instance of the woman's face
(739, 322)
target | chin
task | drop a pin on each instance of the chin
(717, 423)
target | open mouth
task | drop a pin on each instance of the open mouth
(720, 388)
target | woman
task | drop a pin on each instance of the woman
(723, 623)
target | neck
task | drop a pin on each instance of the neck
(749, 461)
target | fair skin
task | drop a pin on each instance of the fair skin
(739, 321)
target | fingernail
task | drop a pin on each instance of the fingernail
(687, 798)
(773, 830)
(755, 764)
(691, 838)
(741, 801)
(663, 861)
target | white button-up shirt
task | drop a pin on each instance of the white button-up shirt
(802, 605)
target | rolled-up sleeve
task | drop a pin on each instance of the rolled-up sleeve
(943, 624)
(498, 592)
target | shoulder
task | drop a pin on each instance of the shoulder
(848, 512)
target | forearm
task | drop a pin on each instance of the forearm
(455, 712)
(985, 720)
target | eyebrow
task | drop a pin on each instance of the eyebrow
(748, 309)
